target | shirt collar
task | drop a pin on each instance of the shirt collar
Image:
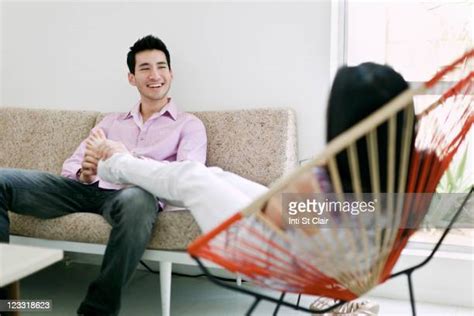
(169, 108)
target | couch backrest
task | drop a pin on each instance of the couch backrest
(41, 139)
(257, 144)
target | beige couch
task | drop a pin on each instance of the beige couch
(257, 144)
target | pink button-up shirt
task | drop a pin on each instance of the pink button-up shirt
(169, 135)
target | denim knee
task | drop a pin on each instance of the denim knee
(5, 175)
(4, 220)
(10, 177)
(134, 208)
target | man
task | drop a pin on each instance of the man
(154, 129)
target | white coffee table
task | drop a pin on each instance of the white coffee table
(17, 262)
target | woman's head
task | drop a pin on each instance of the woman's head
(356, 93)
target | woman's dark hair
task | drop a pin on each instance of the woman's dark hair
(355, 94)
(148, 42)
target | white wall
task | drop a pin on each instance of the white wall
(225, 55)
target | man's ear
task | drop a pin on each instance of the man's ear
(131, 79)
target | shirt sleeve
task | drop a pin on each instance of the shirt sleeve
(193, 142)
(72, 165)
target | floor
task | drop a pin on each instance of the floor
(65, 284)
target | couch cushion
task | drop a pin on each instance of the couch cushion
(172, 231)
(41, 139)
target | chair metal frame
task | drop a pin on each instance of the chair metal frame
(281, 302)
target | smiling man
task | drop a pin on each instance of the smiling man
(153, 129)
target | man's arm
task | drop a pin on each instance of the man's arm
(81, 167)
(193, 142)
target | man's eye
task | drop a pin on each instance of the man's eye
(144, 68)
(162, 67)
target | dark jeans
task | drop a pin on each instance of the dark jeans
(131, 212)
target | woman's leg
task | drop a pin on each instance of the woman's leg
(211, 194)
(248, 187)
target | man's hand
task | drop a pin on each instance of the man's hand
(88, 169)
(98, 147)
(89, 163)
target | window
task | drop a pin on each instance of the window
(417, 38)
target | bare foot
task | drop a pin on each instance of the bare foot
(102, 148)
(274, 209)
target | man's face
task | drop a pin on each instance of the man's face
(152, 75)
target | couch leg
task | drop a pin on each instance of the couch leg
(165, 286)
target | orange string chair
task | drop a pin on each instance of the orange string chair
(356, 253)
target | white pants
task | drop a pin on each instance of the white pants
(210, 194)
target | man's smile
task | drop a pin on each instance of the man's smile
(155, 85)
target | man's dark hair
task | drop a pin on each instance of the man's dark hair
(356, 93)
(148, 42)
